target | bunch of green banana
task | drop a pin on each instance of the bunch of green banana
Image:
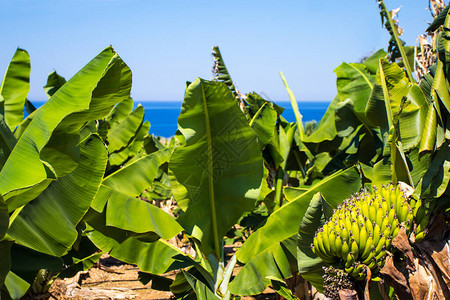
(360, 230)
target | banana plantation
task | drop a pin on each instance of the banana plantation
(355, 206)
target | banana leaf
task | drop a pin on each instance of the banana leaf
(391, 77)
(354, 82)
(54, 82)
(221, 72)
(439, 20)
(121, 157)
(49, 224)
(256, 275)
(219, 169)
(131, 180)
(309, 264)
(152, 256)
(263, 123)
(202, 292)
(371, 62)
(122, 135)
(48, 147)
(14, 88)
(7, 141)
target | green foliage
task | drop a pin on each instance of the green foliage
(81, 174)
(218, 169)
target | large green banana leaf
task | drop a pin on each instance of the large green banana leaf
(54, 82)
(354, 82)
(14, 89)
(131, 180)
(439, 20)
(413, 117)
(285, 221)
(437, 177)
(219, 169)
(272, 263)
(372, 61)
(153, 256)
(393, 78)
(48, 147)
(298, 115)
(49, 224)
(309, 264)
(135, 215)
(7, 141)
(119, 158)
(202, 292)
(220, 71)
(326, 129)
(120, 112)
(121, 135)
(263, 123)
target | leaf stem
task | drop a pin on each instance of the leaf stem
(211, 177)
(399, 43)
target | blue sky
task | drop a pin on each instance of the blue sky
(167, 43)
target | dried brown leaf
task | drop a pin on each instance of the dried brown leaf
(396, 279)
(401, 242)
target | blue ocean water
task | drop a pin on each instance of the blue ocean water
(163, 115)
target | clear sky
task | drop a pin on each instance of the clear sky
(167, 43)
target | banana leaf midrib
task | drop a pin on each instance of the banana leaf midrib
(363, 76)
(210, 175)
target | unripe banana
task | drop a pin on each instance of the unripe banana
(403, 212)
(380, 257)
(338, 245)
(354, 248)
(345, 250)
(362, 239)
(420, 236)
(367, 248)
(325, 238)
(365, 208)
(356, 232)
(372, 213)
(344, 232)
(350, 260)
(391, 214)
(384, 224)
(369, 258)
(372, 264)
(376, 234)
(380, 245)
(332, 239)
(369, 226)
(387, 231)
(396, 230)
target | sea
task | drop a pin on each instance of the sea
(163, 115)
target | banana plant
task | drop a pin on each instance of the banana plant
(50, 175)
(217, 168)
